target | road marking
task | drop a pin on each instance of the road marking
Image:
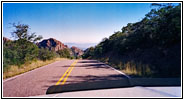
(69, 72)
(65, 73)
(120, 72)
(129, 78)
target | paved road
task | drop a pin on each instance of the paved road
(63, 76)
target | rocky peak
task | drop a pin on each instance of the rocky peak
(5, 40)
(76, 51)
(52, 44)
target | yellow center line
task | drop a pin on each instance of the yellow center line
(69, 73)
(66, 72)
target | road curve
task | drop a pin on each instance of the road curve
(83, 74)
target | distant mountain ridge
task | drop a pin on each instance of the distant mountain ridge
(76, 51)
(5, 39)
(56, 45)
(52, 44)
(82, 46)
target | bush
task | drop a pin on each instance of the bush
(88, 53)
(45, 54)
(64, 53)
(158, 31)
(18, 52)
(22, 49)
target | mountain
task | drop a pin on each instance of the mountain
(81, 46)
(76, 51)
(5, 40)
(56, 45)
(52, 44)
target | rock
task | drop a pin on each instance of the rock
(52, 44)
(5, 40)
(76, 51)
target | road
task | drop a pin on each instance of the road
(63, 76)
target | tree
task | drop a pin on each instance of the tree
(88, 53)
(159, 31)
(23, 49)
(22, 32)
(64, 53)
(45, 54)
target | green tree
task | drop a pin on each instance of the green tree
(88, 53)
(64, 53)
(23, 49)
(22, 32)
(46, 54)
(159, 31)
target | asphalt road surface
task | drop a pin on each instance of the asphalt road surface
(64, 76)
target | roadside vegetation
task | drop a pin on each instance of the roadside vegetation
(148, 48)
(22, 54)
(65, 53)
(13, 70)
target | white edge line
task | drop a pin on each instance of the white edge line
(119, 71)
(116, 70)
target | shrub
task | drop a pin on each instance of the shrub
(18, 52)
(45, 54)
(64, 53)
(23, 49)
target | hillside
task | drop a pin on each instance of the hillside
(60, 48)
(52, 44)
(76, 51)
(23, 49)
(5, 39)
(148, 48)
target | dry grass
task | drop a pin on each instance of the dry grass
(16, 70)
(138, 69)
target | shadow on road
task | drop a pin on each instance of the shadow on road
(90, 66)
(96, 83)
(91, 82)
(89, 61)
(92, 79)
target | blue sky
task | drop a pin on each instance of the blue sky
(73, 22)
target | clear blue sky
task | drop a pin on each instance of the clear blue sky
(73, 22)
